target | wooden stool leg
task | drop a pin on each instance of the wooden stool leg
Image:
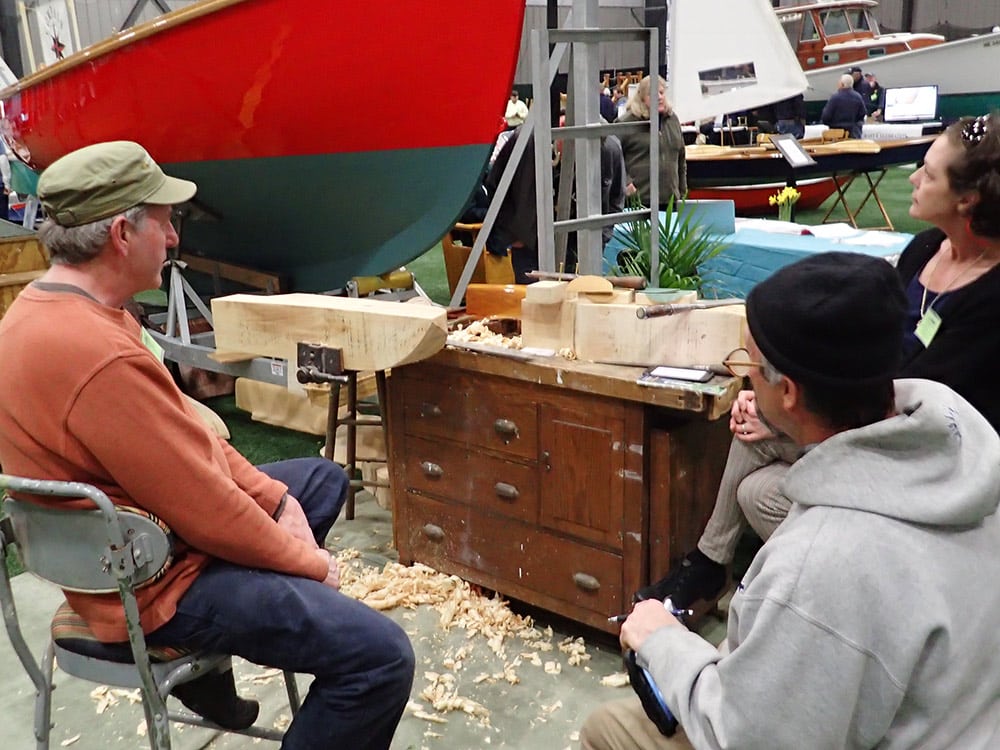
(352, 441)
(332, 421)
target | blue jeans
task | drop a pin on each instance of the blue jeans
(362, 661)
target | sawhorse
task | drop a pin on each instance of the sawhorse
(843, 183)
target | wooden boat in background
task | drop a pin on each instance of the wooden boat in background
(829, 36)
(752, 199)
(328, 138)
(749, 175)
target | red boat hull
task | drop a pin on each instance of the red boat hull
(752, 200)
(276, 107)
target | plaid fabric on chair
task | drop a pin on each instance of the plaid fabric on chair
(72, 633)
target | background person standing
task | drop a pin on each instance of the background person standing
(845, 109)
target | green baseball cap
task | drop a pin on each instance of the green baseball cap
(105, 179)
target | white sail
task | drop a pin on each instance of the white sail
(7, 77)
(728, 56)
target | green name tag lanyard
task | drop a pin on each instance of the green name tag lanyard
(930, 321)
(927, 326)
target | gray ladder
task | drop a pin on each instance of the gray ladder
(583, 123)
(582, 38)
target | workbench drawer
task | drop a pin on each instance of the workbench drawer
(495, 552)
(434, 408)
(451, 472)
(502, 419)
(489, 413)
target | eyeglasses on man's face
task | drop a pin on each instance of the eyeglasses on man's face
(739, 363)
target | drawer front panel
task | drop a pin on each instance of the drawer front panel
(502, 419)
(437, 468)
(457, 539)
(450, 472)
(504, 487)
(437, 408)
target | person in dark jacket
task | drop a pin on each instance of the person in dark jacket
(858, 81)
(875, 101)
(516, 225)
(845, 109)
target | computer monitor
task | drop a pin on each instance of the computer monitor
(910, 103)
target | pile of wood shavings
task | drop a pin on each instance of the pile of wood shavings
(480, 333)
(441, 692)
(460, 605)
(457, 603)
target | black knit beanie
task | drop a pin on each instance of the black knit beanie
(831, 319)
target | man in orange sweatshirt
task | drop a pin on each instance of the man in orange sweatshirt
(83, 399)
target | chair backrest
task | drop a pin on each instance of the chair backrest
(84, 550)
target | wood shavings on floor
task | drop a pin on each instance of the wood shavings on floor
(616, 680)
(441, 691)
(457, 602)
(105, 697)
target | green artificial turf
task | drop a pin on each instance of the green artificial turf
(894, 190)
(262, 443)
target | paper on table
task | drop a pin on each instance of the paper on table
(769, 225)
(876, 239)
(837, 231)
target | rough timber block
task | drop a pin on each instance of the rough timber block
(372, 334)
(546, 292)
(613, 334)
(547, 326)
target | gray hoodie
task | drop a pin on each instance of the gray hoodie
(871, 618)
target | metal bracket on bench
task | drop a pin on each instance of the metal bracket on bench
(320, 364)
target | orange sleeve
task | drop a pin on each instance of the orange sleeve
(132, 418)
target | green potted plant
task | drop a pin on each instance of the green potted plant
(684, 247)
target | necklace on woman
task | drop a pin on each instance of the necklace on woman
(930, 321)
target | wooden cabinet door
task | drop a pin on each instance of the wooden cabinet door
(581, 467)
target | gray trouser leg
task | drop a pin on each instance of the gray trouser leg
(722, 533)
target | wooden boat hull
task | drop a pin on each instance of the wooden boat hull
(752, 200)
(756, 165)
(333, 140)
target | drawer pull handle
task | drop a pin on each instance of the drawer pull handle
(586, 582)
(430, 410)
(506, 491)
(506, 429)
(431, 469)
(434, 533)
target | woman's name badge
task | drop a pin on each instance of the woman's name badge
(927, 327)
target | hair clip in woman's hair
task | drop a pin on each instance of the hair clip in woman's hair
(975, 130)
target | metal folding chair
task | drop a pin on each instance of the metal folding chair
(105, 550)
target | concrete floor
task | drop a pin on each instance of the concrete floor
(543, 710)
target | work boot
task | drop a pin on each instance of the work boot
(697, 577)
(214, 697)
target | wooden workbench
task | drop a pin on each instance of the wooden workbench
(563, 484)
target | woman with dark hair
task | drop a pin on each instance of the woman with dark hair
(951, 273)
